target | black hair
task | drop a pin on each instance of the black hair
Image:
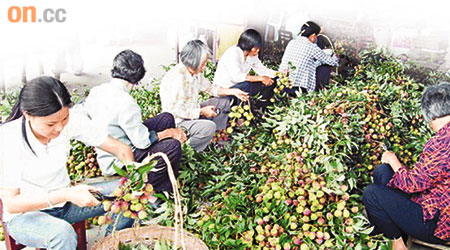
(323, 42)
(129, 66)
(309, 28)
(42, 96)
(250, 39)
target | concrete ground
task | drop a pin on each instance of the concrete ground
(96, 55)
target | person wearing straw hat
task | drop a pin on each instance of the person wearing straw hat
(39, 204)
(111, 106)
(180, 89)
(304, 55)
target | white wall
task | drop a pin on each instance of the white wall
(103, 27)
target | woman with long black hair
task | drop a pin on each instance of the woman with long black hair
(39, 203)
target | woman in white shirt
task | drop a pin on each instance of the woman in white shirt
(235, 64)
(39, 203)
(180, 89)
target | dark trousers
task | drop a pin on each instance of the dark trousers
(292, 91)
(392, 211)
(323, 73)
(171, 147)
(254, 89)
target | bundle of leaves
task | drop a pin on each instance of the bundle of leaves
(248, 193)
(132, 196)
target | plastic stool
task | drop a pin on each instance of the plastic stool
(79, 227)
(274, 23)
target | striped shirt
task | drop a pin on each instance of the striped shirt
(429, 181)
(305, 56)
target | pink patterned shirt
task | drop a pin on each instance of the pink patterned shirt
(429, 181)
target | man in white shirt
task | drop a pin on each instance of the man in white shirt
(237, 61)
(111, 106)
(180, 90)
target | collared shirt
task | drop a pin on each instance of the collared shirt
(429, 181)
(45, 171)
(111, 107)
(305, 56)
(179, 92)
(233, 68)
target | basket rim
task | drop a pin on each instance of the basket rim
(145, 233)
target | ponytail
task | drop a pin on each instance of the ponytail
(42, 96)
(309, 28)
(16, 113)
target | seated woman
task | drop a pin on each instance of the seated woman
(416, 202)
(180, 90)
(111, 107)
(39, 203)
(305, 56)
(235, 64)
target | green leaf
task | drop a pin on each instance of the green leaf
(138, 186)
(120, 171)
(157, 246)
(123, 246)
(147, 167)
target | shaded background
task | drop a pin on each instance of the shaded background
(82, 48)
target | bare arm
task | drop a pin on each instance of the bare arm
(119, 149)
(264, 79)
(243, 96)
(14, 202)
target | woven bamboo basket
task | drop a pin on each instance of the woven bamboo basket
(147, 235)
(178, 237)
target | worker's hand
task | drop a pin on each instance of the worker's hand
(208, 111)
(241, 95)
(328, 52)
(391, 159)
(175, 133)
(267, 81)
(179, 134)
(81, 196)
